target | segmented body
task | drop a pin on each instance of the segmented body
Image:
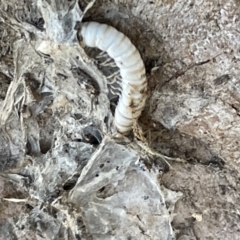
(132, 70)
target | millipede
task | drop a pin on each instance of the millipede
(132, 70)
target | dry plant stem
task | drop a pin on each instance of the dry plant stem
(151, 152)
(16, 200)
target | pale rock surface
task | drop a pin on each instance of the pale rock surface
(63, 173)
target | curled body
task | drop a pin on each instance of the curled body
(132, 70)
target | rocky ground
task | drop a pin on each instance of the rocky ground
(64, 174)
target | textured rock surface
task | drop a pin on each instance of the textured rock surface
(120, 199)
(64, 175)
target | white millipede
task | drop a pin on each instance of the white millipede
(132, 70)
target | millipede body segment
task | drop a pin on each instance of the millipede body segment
(132, 70)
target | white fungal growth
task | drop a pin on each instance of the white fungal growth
(132, 70)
